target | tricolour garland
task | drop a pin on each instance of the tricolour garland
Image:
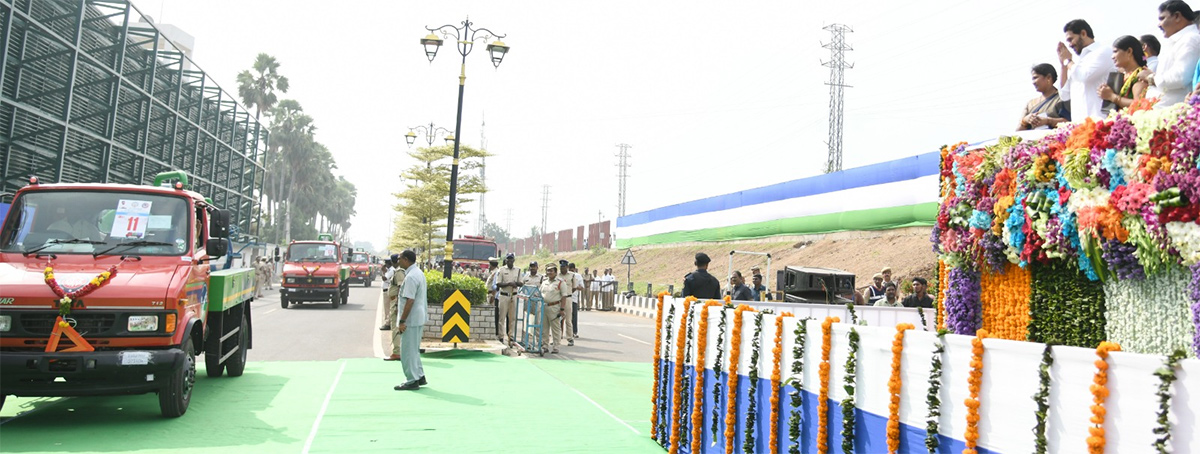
(777, 359)
(797, 378)
(850, 380)
(658, 319)
(679, 390)
(933, 399)
(752, 412)
(1166, 375)
(662, 392)
(1096, 441)
(823, 397)
(894, 388)
(974, 383)
(698, 399)
(734, 354)
(1041, 397)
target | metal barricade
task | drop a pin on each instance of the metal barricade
(530, 310)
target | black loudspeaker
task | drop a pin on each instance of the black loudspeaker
(815, 285)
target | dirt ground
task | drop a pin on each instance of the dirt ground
(907, 251)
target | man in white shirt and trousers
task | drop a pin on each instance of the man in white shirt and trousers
(1085, 65)
(413, 299)
(1177, 62)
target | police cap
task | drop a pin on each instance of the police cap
(509, 256)
(534, 263)
(702, 258)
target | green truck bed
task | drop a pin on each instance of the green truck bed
(229, 288)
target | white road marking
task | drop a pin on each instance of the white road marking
(377, 339)
(268, 312)
(312, 434)
(633, 339)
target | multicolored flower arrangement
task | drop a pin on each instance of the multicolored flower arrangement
(823, 396)
(1115, 200)
(1099, 389)
(894, 387)
(68, 300)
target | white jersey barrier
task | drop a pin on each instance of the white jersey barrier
(1007, 410)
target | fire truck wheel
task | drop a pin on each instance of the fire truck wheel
(333, 301)
(346, 295)
(367, 281)
(237, 363)
(2, 396)
(283, 302)
(174, 397)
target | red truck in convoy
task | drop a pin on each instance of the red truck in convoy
(364, 268)
(316, 271)
(108, 289)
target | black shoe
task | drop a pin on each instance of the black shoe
(385, 327)
(410, 386)
(421, 381)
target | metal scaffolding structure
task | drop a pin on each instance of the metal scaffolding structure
(93, 92)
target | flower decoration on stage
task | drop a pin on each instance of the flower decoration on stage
(894, 387)
(657, 397)
(933, 400)
(717, 369)
(797, 380)
(776, 364)
(974, 383)
(698, 397)
(850, 380)
(70, 299)
(663, 392)
(823, 397)
(748, 442)
(1166, 376)
(1099, 390)
(735, 353)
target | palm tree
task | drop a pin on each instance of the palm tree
(257, 90)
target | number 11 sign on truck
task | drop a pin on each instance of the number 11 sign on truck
(107, 289)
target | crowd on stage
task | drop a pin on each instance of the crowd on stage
(1134, 73)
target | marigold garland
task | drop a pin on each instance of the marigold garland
(68, 300)
(1041, 397)
(894, 387)
(1005, 295)
(848, 404)
(797, 394)
(773, 445)
(1166, 375)
(974, 383)
(698, 399)
(823, 399)
(657, 366)
(748, 442)
(1099, 389)
(678, 388)
(735, 350)
(941, 295)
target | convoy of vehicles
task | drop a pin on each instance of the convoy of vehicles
(472, 250)
(315, 271)
(364, 267)
(107, 289)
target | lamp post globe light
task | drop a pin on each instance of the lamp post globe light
(465, 36)
(431, 131)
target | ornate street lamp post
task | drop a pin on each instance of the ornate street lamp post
(465, 37)
(431, 131)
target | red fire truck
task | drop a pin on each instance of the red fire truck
(473, 250)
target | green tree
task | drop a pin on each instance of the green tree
(491, 230)
(424, 204)
(257, 88)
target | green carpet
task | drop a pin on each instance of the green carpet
(475, 402)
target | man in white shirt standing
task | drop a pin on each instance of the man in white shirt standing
(1085, 65)
(1177, 63)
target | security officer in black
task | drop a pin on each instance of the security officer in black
(699, 283)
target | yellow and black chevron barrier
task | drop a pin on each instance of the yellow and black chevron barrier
(456, 318)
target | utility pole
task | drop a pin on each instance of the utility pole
(482, 178)
(545, 205)
(622, 175)
(837, 72)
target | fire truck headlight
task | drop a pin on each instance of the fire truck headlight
(328, 280)
(142, 323)
(291, 280)
(5, 323)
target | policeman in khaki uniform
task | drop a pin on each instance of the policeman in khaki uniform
(395, 285)
(508, 281)
(555, 293)
(568, 278)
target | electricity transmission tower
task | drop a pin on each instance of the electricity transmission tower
(837, 72)
(545, 205)
(622, 175)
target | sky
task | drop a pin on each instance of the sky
(713, 97)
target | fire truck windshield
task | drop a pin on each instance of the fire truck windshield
(83, 222)
(359, 258)
(474, 251)
(312, 252)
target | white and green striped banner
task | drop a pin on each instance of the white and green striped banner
(888, 195)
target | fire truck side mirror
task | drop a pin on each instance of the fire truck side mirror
(218, 224)
(216, 247)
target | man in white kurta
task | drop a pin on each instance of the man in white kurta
(412, 321)
(1085, 65)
